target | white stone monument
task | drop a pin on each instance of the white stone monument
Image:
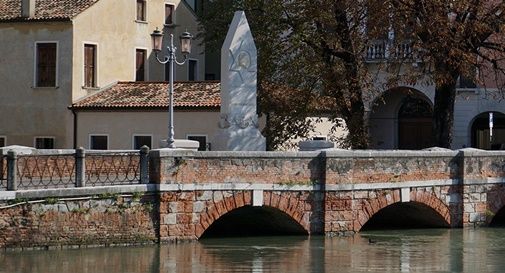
(238, 125)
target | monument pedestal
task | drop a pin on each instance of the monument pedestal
(248, 139)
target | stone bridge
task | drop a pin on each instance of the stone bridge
(334, 192)
(329, 192)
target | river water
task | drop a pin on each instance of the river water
(427, 250)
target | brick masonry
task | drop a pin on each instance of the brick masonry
(90, 221)
(332, 192)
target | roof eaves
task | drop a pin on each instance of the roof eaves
(32, 20)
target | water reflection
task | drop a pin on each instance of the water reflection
(430, 250)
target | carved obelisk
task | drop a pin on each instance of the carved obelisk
(238, 125)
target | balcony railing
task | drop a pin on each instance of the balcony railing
(383, 50)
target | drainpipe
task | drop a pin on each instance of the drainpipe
(75, 127)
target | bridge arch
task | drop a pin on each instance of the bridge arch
(291, 205)
(495, 213)
(418, 199)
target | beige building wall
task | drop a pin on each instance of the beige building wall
(120, 127)
(118, 36)
(27, 111)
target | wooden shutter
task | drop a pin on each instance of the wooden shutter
(46, 65)
(140, 65)
(89, 65)
(169, 14)
(141, 10)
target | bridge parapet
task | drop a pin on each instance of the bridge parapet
(188, 167)
(353, 167)
(324, 168)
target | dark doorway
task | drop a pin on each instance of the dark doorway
(481, 133)
(414, 124)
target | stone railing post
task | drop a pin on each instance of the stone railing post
(12, 174)
(80, 167)
(144, 165)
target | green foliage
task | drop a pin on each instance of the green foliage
(51, 200)
(17, 201)
(107, 195)
(136, 196)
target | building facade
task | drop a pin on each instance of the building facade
(56, 52)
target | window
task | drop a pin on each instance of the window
(89, 65)
(141, 140)
(141, 10)
(192, 70)
(45, 74)
(44, 142)
(98, 142)
(140, 65)
(3, 141)
(465, 82)
(169, 14)
(201, 139)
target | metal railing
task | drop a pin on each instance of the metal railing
(120, 167)
(45, 169)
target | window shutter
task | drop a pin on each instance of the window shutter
(89, 65)
(140, 65)
(46, 65)
(169, 14)
(141, 9)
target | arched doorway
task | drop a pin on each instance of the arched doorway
(414, 123)
(401, 118)
(481, 133)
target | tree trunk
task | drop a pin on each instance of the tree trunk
(358, 133)
(443, 114)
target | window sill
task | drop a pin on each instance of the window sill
(45, 87)
(91, 88)
(141, 22)
(468, 90)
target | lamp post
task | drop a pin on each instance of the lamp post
(185, 39)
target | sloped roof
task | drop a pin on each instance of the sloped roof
(153, 95)
(45, 10)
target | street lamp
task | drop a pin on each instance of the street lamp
(185, 39)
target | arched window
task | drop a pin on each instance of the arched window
(481, 133)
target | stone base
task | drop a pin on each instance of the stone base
(314, 145)
(248, 139)
(182, 144)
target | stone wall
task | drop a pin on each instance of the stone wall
(97, 220)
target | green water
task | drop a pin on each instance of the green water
(428, 250)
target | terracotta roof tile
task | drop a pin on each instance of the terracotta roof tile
(154, 95)
(10, 10)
